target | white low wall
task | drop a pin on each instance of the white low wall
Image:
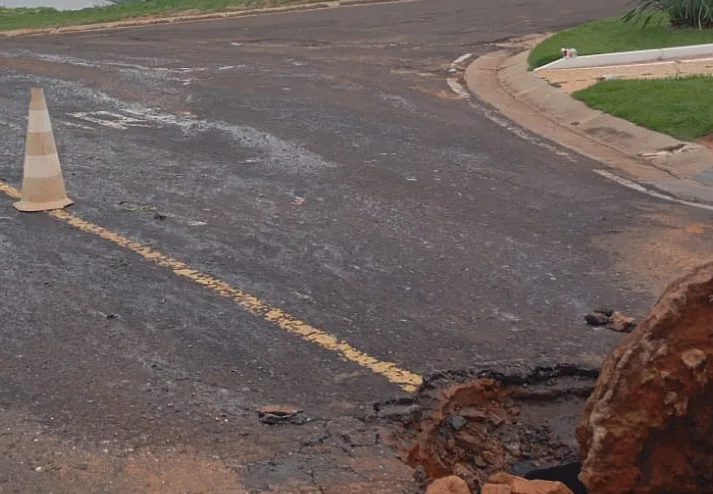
(627, 57)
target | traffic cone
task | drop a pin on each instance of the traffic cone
(42, 184)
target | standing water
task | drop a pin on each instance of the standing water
(57, 4)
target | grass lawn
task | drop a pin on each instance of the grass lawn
(16, 18)
(682, 108)
(610, 35)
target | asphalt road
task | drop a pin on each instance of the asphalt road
(320, 162)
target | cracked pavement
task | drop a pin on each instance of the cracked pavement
(320, 161)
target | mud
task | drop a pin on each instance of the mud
(473, 424)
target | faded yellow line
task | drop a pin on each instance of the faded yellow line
(407, 380)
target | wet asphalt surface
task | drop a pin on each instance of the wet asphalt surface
(319, 161)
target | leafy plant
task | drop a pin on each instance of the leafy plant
(682, 13)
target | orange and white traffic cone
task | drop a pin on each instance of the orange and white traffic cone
(42, 184)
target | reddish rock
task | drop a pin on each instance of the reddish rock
(621, 323)
(280, 410)
(518, 485)
(648, 426)
(449, 485)
(496, 489)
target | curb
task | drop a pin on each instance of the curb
(178, 18)
(677, 170)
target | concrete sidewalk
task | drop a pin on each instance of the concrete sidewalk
(571, 80)
(680, 170)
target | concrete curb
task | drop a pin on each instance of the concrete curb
(655, 161)
(628, 57)
(177, 18)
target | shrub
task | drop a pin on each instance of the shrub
(682, 13)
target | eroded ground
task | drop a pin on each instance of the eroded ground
(320, 162)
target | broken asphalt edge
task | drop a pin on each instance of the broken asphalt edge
(655, 162)
(179, 18)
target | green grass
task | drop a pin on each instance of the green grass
(611, 35)
(17, 18)
(682, 108)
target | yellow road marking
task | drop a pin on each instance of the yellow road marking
(407, 380)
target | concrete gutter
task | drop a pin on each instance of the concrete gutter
(628, 57)
(679, 170)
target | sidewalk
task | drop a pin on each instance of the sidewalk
(574, 79)
(682, 171)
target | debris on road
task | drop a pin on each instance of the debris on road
(281, 414)
(616, 321)
(596, 319)
(621, 323)
(607, 311)
(663, 373)
(110, 315)
(403, 409)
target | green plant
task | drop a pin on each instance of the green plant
(614, 34)
(682, 13)
(681, 107)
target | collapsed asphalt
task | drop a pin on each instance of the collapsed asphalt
(319, 161)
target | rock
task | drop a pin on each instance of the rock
(621, 323)
(496, 489)
(607, 311)
(648, 426)
(448, 485)
(402, 409)
(457, 422)
(281, 414)
(518, 485)
(596, 319)
(473, 413)
(693, 358)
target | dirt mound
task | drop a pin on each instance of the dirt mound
(648, 426)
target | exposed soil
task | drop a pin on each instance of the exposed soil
(478, 423)
(707, 141)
